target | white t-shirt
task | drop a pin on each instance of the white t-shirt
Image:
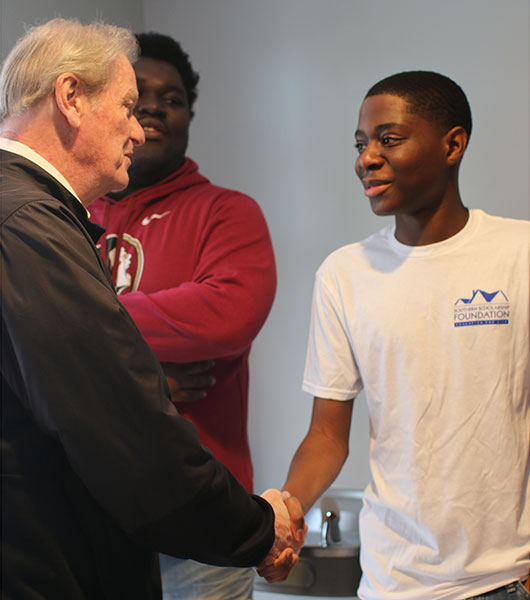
(439, 338)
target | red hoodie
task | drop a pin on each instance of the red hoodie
(197, 274)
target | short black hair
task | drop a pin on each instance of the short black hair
(164, 47)
(430, 95)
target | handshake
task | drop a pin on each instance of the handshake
(290, 529)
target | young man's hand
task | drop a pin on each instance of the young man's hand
(291, 529)
(188, 382)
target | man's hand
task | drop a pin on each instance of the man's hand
(188, 382)
(290, 528)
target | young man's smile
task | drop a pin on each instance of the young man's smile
(375, 187)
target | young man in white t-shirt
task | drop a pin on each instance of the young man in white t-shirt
(431, 317)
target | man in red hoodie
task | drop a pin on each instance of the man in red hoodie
(194, 266)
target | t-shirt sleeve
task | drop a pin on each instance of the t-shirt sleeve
(330, 368)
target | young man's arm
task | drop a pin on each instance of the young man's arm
(322, 453)
(221, 309)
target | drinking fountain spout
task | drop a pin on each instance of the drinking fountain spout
(330, 532)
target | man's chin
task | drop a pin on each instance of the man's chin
(149, 156)
(120, 183)
(380, 209)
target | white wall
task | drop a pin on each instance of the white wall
(16, 14)
(281, 84)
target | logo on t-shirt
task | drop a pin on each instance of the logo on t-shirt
(482, 308)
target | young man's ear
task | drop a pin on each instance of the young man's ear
(68, 98)
(456, 143)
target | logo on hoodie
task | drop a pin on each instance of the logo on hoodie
(482, 308)
(131, 262)
(147, 220)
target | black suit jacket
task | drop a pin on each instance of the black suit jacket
(99, 472)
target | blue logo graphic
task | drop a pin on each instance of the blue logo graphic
(482, 308)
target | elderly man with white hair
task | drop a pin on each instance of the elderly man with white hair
(99, 472)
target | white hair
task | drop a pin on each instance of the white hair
(61, 46)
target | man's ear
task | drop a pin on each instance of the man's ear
(456, 143)
(69, 97)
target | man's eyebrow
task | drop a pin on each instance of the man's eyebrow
(171, 88)
(380, 127)
(132, 96)
(387, 126)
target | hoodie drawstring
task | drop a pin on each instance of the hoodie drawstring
(119, 237)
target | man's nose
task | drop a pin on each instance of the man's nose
(370, 158)
(137, 133)
(150, 104)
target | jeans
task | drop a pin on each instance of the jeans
(190, 580)
(512, 591)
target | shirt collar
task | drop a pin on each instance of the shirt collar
(25, 151)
